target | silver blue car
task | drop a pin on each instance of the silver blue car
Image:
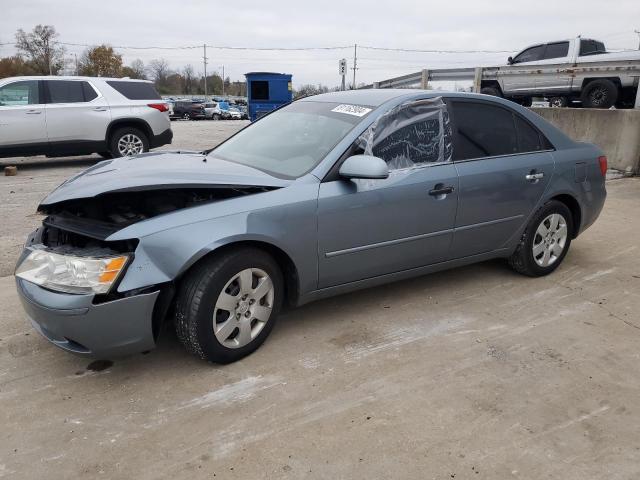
(326, 195)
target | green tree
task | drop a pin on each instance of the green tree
(41, 50)
(101, 61)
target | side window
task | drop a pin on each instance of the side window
(591, 47)
(556, 50)
(530, 54)
(482, 130)
(88, 91)
(410, 135)
(529, 140)
(260, 90)
(65, 91)
(20, 93)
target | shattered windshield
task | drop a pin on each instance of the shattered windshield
(291, 141)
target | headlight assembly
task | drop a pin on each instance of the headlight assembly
(69, 273)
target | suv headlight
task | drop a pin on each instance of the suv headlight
(69, 273)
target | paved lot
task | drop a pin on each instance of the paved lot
(475, 373)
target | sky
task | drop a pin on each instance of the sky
(409, 24)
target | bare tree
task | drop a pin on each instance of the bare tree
(44, 54)
(189, 79)
(159, 70)
(135, 70)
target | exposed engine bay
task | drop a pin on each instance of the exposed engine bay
(71, 221)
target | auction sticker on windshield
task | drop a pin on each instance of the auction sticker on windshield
(356, 110)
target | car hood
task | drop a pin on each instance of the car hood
(160, 170)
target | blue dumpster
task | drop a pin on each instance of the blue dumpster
(267, 91)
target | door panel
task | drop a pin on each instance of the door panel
(76, 120)
(495, 198)
(368, 228)
(22, 116)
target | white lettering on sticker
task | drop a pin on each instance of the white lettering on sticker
(356, 110)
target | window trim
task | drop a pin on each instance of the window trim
(450, 100)
(47, 95)
(41, 94)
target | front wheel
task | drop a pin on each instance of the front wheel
(545, 241)
(228, 304)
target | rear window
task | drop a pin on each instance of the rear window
(591, 47)
(135, 90)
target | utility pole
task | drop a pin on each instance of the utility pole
(638, 32)
(204, 46)
(355, 64)
(223, 80)
(76, 56)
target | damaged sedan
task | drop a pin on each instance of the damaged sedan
(326, 195)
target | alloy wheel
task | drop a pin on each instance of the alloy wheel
(550, 240)
(243, 308)
(130, 144)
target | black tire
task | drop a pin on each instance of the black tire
(558, 102)
(600, 93)
(522, 260)
(199, 292)
(494, 91)
(525, 101)
(121, 132)
(186, 116)
(216, 116)
(106, 155)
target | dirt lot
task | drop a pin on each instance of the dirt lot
(475, 373)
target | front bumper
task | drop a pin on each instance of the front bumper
(75, 324)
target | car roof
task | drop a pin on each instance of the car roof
(73, 77)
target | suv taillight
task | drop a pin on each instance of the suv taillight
(603, 165)
(159, 106)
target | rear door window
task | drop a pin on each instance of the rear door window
(135, 90)
(556, 50)
(529, 139)
(65, 91)
(482, 130)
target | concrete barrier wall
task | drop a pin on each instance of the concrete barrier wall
(616, 132)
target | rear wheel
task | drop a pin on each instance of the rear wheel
(128, 141)
(216, 116)
(228, 305)
(545, 241)
(600, 93)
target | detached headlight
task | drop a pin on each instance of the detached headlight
(71, 274)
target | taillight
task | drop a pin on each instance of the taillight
(159, 106)
(603, 165)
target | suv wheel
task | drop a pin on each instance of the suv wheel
(228, 304)
(186, 116)
(128, 141)
(216, 116)
(545, 242)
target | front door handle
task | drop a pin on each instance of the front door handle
(534, 176)
(34, 112)
(100, 109)
(440, 189)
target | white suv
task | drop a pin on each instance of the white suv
(58, 116)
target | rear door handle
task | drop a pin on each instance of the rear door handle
(440, 189)
(34, 112)
(100, 109)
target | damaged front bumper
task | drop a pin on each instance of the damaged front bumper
(99, 330)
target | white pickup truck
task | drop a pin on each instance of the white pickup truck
(565, 71)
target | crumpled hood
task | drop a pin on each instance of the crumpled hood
(158, 170)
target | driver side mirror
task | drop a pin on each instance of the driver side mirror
(364, 166)
(510, 60)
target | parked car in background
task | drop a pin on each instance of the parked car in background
(579, 69)
(328, 194)
(212, 111)
(234, 114)
(188, 110)
(244, 112)
(56, 116)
